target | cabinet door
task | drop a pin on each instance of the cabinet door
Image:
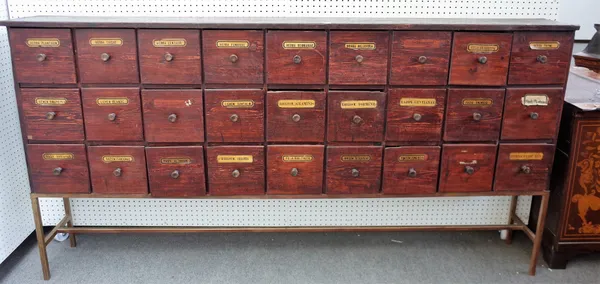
(523, 167)
(420, 58)
(295, 169)
(236, 170)
(112, 114)
(532, 113)
(233, 57)
(290, 113)
(411, 170)
(473, 114)
(358, 58)
(355, 116)
(467, 167)
(415, 115)
(176, 171)
(118, 169)
(353, 169)
(57, 168)
(296, 57)
(235, 115)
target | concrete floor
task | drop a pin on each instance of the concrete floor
(420, 257)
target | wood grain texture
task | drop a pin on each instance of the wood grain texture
(409, 46)
(518, 122)
(127, 125)
(121, 67)
(187, 161)
(353, 169)
(456, 158)
(355, 124)
(44, 159)
(460, 122)
(160, 106)
(183, 68)
(221, 122)
(58, 67)
(250, 179)
(309, 178)
(281, 68)
(345, 69)
(405, 106)
(310, 126)
(398, 163)
(65, 125)
(247, 68)
(118, 169)
(523, 171)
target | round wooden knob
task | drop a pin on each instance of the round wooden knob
(476, 116)
(417, 116)
(50, 115)
(297, 59)
(296, 117)
(233, 58)
(57, 171)
(175, 174)
(172, 117)
(534, 115)
(422, 59)
(542, 59)
(294, 172)
(234, 117)
(356, 119)
(117, 172)
(105, 56)
(482, 60)
(359, 58)
(355, 173)
(112, 116)
(40, 57)
(235, 173)
(412, 172)
(168, 57)
(469, 170)
(526, 169)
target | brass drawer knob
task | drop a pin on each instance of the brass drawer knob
(233, 58)
(117, 172)
(297, 59)
(175, 174)
(296, 117)
(172, 117)
(356, 119)
(534, 115)
(526, 169)
(169, 57)
(294, 172)
(57, 171)
(412, 172)
(359, 58)
(235, 173)
(234, 117)
(105, 57)
(417, 116)
(355, 173)
(476, 116)
(50, 115)
(40, 57)
(542, 59)
(112, 116)
(469, 170)
(422, 59)
(482, 60)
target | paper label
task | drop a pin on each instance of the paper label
(299, 45)
(544, 45)
(360, 45)
(177, 161)
(298, 158)
(296, 103)
(417, 102)
(355, 158)
(58, 156)
(482, 48)
(112, 101)
(525, 156)
(412, 158)
(237, 103)
(477, 102)
(534, 100)
(50, 101)
(117, 158)
(42, 42)
(106, 41)
(169, 42)
(358, 104)
(221, 159)
(232, 44)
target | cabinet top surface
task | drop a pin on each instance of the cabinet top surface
(583, 89)
(293, 23)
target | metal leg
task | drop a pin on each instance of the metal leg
(511, 213)
(67, 204)
(39, 232)
(539, 231)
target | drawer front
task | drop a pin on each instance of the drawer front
(112, 114)
(295, 169)
(236, 170)
(353, 169)
(480, 58)
(467, 167)
(358, 58)
(540, 57)
(173, 115)
(532, 113)
(296, 57)
(473, 114)
(58, 168)
(52, 114)
(176, 171)
(294, 112)
(107, 56)
(118, 169)
(411, 170)
(355, 116)
(235, 115)
(233, 57)
(420, 58)
(524, 167)
(43, 56)
(415, 114)
(170, 56)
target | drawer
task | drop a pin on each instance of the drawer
(295, 169)
(112, 114)
(411, 170)
(58, 168)
(353, 169)
(170, 56)
(296, 57)
(467, 167)
(233, 57)
(176, 171)
(524, 167)
(52, 114)
(540, 57)
(420, 58)
(118, 169)
(473, 114)
(236, 170)
(43, 56)
(235, 115)
(415, 114)
(358, 58)
(107, 56)
(294, 112)
(173, 115)
(480, 58)
(355, 116)
(532, 113)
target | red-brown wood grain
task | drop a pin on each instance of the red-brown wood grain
(58, 168)
(233, 57)
(118, 169)
(305, 161)
(524, 167)
(473, 114)
(176, 171)
(353, 169)
(101, 104)
(411, 169)
(358, 57)
(467, 167)
(236, 170)
(415, 114)
(296, 116)
(355, 116)
(234, 115)
(311, 58)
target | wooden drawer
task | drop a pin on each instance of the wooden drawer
(473, 114)
(355, 116)
(236, 170)
(532, 113)
(467, 167)
(170, 56)
(420, 58)
(358, 58)
(58, 168)
(233, 57)
(523, 167)
(480, 58)
(235, 115)
(118, 169)
(112, 114)
(176, 171)
(107, 56)
(52, 114)
(540, 57)
(411, 170)
(293, 112)
(353, 169)
(173, 115)
(296, 57)
(43, 56)
(415, 114)
(295, 169)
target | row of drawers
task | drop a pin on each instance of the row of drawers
(412, 115)
(289, 169)
(292, 57)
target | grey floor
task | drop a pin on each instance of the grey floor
(423, 257)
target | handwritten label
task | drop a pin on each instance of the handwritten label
(176, 161)
(106, 41)
(534, 100)
(297, 158)
(360, 45)
(237, 103)
(544, 45)
(299, 45)
(233, 44)
(412, 158)
(42, 42)
(418, 102)
(234, 159)
(112, 101)
(482, 48)
(526, 156)
(117, 158)
(355, 158)
(477, 102)
(296, 103)
(58, 156)
(169, 42)
(358, 104)
(50, 101)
